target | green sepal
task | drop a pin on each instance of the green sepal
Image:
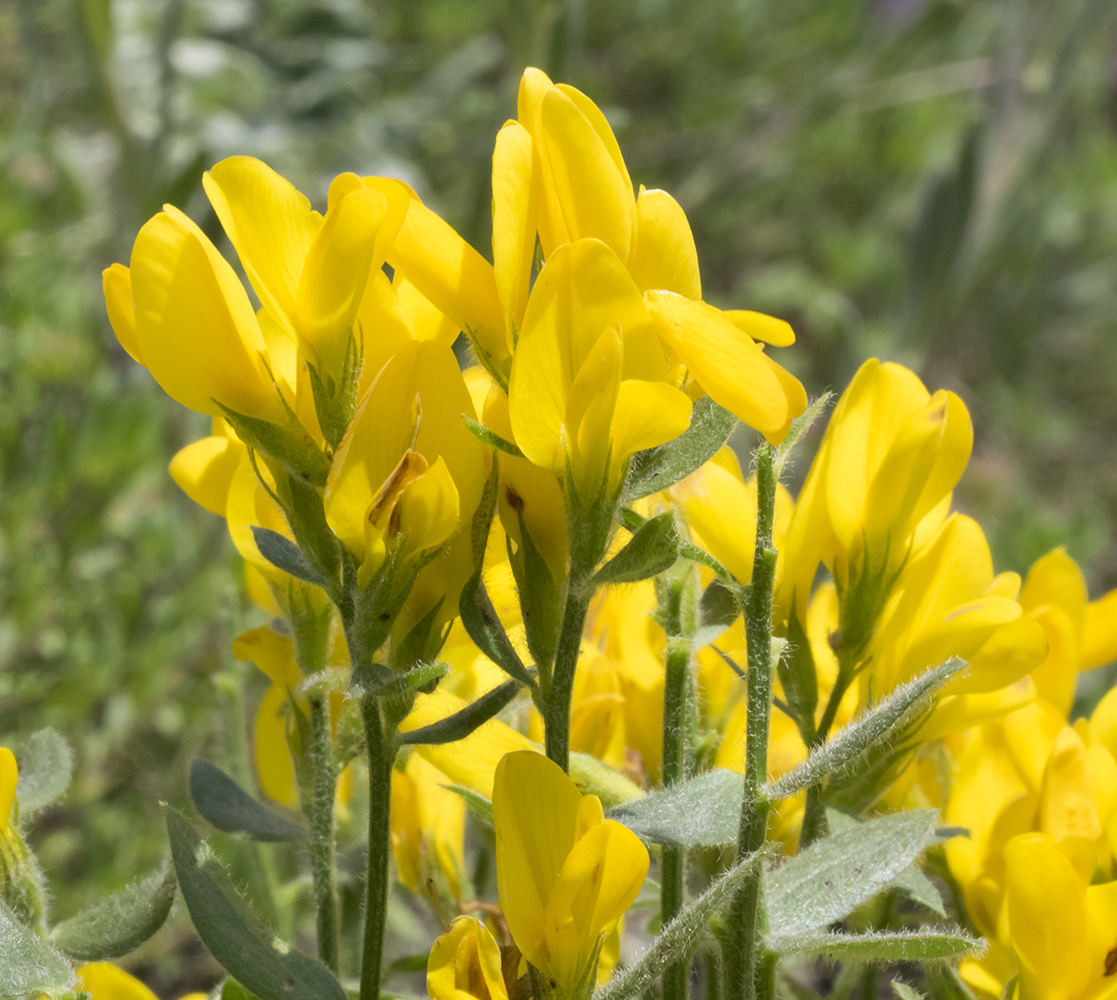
(335, 403)
(289, 443)
(799, 678)
(28, 965)
(230, 808)
(459, 725)
(270, 968)
(658, 468)
(541, 599)
(704, 811)
(121, 922)
(652, 549)
(45, 769)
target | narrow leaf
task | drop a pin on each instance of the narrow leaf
(702, 812)
(799, 427)
(480, 805)
(284, 554)
(878, 946)
(120, 923)
(266, 966)
(491, 439)
(652, 549)
(657, 468)
(879, 724)
(677, 938)
(28, 965)
(230, 808)
(45, 770)
(944, 983)
(379, 680)
(911, 882)
(484, 627)
(688, 550)
(459, 725)
(718, 608)
(835, 875)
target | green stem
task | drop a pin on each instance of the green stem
(556, 718)
(323, 851)
(676, 699)
(745, 963)
(381, 742)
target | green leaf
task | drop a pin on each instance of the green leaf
(657, 468)
(835, 875)
(879, 725)
(408, 963)
(905, 992)
(718, 608)
(480, 805)
(484, 627)
(268, 967)
(944, 983)
(688, 550)
(677, 938)
(230, 808)
(120, 923)
(652, 549)
(798, 677)
(459, 725)
(45, 769)
(878, 946)
(284, 554)
(541, 599)
(702, 812)
(379, 680)
(28, 965)
(232, 990)
(491, 439)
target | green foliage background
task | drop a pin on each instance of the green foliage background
(931, 181)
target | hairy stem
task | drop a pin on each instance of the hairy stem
(556, 719)
(323, 852)
(746, 967)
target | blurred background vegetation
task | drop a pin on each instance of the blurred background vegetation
(931, 181)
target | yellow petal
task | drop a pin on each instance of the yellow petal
(1056, 580)
(425, 320)
(664, 255)
(9, 778)
(452, 275)
(1047, 917)
(335, 274)
(1103, 723)
(587, 192)
(465, 962)
(105, 981)
(274, 764)
(429, 511)
(204, 471)
(441, 817)
(1056, 676)
(1068, 806)
(197, 332)
(515, 217)
(407, 833)
(397, 197)
(1099, 632)
(270, 224)
(726, 362)
(117, 284)
(272, 652)
(760, 326)
(535, 808)
(384, 325)
(953, 713)
(647, 414)
(1101, 907)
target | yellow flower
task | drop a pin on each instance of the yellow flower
(182, 313)
(428, 828)
(465, 964)
(9, 778)
(574, 406)
(565, 874)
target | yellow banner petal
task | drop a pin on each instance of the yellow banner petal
(9, 778)
(117, 284)
(760, 326)
(647, 415)
(204, 471)
(664, 255)
(515, 218)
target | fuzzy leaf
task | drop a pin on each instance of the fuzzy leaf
(230, 808)
(718, 608)
(799, 427)
(377, 679)
(652, 549)
(678, 936)
(28, 965)
(459, 725)
(877, 726)
(481, 621)
(120, 923)
(45, 770)
(657, 468)
(911, 882)
(266, 966)
(284, 554)
(480, 806)
(905, 992)
(702, 812)
(878, 946)
(834, 876)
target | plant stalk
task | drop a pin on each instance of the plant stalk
(556, 719)
(323, 850)
(747, 973)
(381, 743)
